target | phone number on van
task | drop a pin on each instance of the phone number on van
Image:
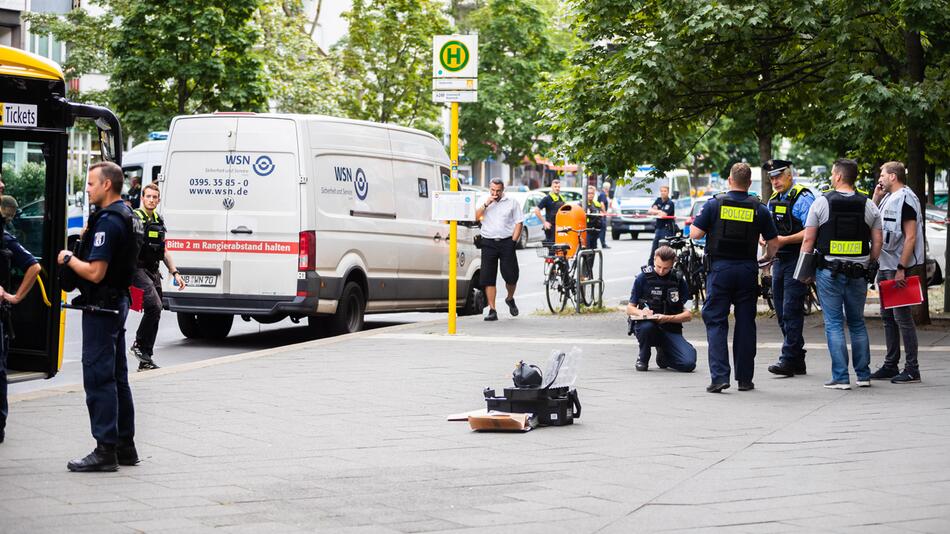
(218, 186)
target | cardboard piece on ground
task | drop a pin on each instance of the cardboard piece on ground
(465, 415)
(501, 421)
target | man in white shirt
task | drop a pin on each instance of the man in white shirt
(502, 221)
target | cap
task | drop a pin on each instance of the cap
(775, 167)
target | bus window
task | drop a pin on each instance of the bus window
(24, 178)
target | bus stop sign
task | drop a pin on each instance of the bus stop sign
(455, 56)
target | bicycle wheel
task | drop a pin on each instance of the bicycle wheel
(555, 289)
(588, 291)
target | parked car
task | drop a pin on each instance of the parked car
(632, 201)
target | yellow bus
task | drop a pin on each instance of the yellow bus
(33, 150)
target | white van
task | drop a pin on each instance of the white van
(272, 216)
(145, 161)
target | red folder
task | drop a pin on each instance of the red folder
(895, 297)
(137, 298)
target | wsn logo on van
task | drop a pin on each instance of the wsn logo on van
(360, 183)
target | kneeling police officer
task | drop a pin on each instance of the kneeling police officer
(102, 270)
(658, 292)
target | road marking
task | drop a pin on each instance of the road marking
(462, 338)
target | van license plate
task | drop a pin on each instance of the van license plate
(200, 280)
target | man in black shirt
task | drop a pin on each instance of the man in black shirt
(662, 207)
(550, 204)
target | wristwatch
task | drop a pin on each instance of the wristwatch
(901, 267)
(66, 258)
(174, 273)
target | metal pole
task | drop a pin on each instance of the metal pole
(581, 239)
(453, 225)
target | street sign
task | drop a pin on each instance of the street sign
(455, 96)
(454, 84)
(455, 56)
(454, 205)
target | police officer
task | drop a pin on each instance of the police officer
(148, 279)
(550, 204)
(844, 227)
(596, 213)
(665, 227)
(657, 311)
(734, 222)
(12, 254)
(789, 206)
(604, 198)
(103, 269)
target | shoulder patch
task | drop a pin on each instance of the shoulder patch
(99, 239)
(646, 269)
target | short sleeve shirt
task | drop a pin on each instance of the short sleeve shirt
(107, 237)
(19, 256)
(820, 212)
(499, 219)
(549, 206)
(763, 218)
(802, 205)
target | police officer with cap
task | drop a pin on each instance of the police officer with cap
(12, 254)
(789, 206)
(551, 203)
(148, 279)
(657, 310)
(844, 227)
(103, 269)
(733, 221)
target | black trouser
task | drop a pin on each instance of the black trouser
(150, 282)
(4, 349)
(495, 251)
(662, 232)
(105, 375)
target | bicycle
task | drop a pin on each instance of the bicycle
(560, 275)
(689, 265)
(811, 297)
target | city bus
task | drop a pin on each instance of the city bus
(34, 127)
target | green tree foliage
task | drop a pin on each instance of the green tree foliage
(27, 184)
(180, 57)
(301, 77)
(515, 55)
(387, 61)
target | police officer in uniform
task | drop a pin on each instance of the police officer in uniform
(596, 213)
(550, 204)
(102, 270)
(662, 207)
(12, 254)
(659, 294)
(844, 227)
(789, 206)
(734, 221)
(148, 279)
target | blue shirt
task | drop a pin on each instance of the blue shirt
(802, 205)
(19, 256)
(637, 292)
(763, 217)
(107, 237)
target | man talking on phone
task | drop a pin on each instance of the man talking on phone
(502, 221)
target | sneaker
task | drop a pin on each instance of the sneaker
(886, 372)
(511, 307)
(642, 365)
(831, 384)
(137, 353)
(492, 315)
(102, 458)
(717, 388)
(148, 366)
(746, 386)
(863, 383)
(907, 376)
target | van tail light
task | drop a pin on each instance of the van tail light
(307, 251)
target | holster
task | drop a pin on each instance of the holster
(101, 296)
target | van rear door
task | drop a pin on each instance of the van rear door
(193, 206)
(264, 217)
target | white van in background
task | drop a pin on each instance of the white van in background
(272, 216)
(145, 160)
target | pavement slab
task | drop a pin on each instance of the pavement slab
(349, 434)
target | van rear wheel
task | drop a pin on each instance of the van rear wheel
(214, 326)
(188, 324)
(349, 311)
(475, 301)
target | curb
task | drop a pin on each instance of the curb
(221, 360)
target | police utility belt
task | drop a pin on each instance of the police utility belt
(849, 269)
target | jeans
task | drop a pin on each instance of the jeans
(731, 283)
(789, 297)
(679, 353)
(105, 376)
(151, 285)
(899, 324)
(842, 300)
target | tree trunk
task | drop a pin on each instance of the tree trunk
(765, 154)
(916, 149)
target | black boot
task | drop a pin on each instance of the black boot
(126, 453)
(102, 458)
(786, 368)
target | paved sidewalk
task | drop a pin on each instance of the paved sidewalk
(349, 435)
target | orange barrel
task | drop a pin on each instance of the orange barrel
(570, 216)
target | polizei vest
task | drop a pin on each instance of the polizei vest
(662, 295)
(892, 208)
(845, 234)
(782, 215)
(734, 233)
(122, 267)
(153, 246)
